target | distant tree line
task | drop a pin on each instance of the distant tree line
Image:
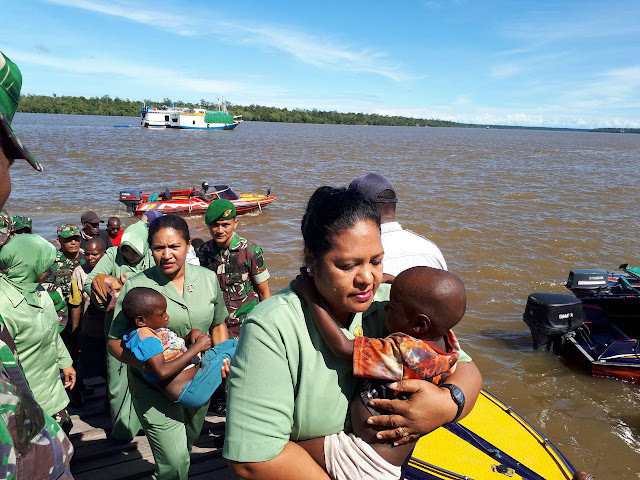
(106, 105)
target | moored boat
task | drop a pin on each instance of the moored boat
(599, 325)
(190, 201)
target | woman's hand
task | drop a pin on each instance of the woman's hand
(69, 377)
(428, 407)
(225, 369)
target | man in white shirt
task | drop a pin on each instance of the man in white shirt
(403, 249)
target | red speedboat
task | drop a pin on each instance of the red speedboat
(189, 202)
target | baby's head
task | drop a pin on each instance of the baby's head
(425, 302)
(145, 307)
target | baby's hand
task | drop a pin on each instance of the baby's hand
(304, 286)
(203, 343)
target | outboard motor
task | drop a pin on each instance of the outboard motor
(587, 282)
(550, 316)
(131, 198)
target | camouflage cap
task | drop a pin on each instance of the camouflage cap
(10, 85)
(67, 230)
(220, 209)
(20, 222)
(6, 227)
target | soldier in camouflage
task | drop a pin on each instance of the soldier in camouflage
(69, 256)
(32, 444)
(239, 264)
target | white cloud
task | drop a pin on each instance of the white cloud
(148, 74)
(318, 51)
(172, 22)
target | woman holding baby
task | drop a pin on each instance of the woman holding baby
(286, 384)
(195, 306)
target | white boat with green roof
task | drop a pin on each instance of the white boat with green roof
(169, 116)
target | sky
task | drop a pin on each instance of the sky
(532, 63)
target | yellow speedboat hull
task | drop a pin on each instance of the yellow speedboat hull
(491, 443)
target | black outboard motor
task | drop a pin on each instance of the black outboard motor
(550, 316)
(131, 198)
(587, 282)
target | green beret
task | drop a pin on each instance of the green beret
(67, 230)
(220, 209)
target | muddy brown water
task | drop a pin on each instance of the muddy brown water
(511, 210)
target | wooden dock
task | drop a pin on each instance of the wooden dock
(97, 457)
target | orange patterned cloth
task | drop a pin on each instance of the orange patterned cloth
(401, 357)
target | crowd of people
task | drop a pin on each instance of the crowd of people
(336, 375)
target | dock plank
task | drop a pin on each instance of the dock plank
(98, 457)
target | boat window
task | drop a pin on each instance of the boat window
(166, 118)
(228, 194)
(194, 122)
(174, 119)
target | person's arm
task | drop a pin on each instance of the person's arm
(259, 273)
(338, 343)
(115, 345)
(164, 369)
(292, 463)
(262, 289)
(219, 333)
(428, 407)
(75, 314)
(116, 348)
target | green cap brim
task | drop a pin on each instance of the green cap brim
(13, 147)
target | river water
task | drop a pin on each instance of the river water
(511, 210)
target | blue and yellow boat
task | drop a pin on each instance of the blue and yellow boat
(491, 443)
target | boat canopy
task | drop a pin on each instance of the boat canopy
(212, 116)
(223, 191)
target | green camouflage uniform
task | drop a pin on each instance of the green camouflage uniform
(6, 227)
(51, 285)
(20, 222)
(33, 445)
(62, 266)
(239, 268)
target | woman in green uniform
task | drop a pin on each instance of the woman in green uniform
(131, 257)
(286, 386)
(30, 317)
(194, 301)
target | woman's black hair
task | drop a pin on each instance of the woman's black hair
(169, 221)
(329, 211)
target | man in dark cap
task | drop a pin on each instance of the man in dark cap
(203, 195)
(91, 228)
(403, 249)
(33, 445)
(239, 264)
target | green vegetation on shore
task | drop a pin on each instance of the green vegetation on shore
(131, 108)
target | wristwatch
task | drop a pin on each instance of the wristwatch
(457, 396)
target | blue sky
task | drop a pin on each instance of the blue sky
(542, 63)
